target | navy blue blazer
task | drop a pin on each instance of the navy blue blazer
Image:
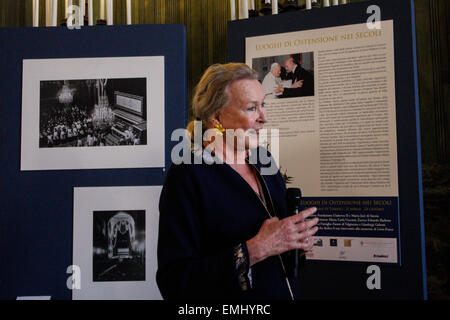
(205, 211)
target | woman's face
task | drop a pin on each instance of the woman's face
(245, 109)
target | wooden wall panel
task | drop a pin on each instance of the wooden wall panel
(425, 79)
(439, 14)
(206, 20)
(432, 25)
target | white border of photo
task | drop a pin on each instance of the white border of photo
(150, 155)
(90, 199)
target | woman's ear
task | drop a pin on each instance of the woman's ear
(214, 120)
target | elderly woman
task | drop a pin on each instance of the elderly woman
(224, 226)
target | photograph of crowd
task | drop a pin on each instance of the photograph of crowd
(92, 113)
(119, 245)
(286, 76)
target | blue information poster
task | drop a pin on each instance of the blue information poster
(330, 101)
(343, 125)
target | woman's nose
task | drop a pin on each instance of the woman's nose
(262, 115)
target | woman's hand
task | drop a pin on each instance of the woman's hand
(277, 236)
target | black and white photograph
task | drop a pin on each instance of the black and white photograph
(119, 245)
(92, 113)
(286, 76)
(115, 241)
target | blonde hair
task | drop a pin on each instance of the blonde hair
(211, 94)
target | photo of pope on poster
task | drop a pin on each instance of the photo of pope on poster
(93, 113)
(286, 76)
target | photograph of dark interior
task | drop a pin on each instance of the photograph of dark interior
(119, 245)
(93, 113)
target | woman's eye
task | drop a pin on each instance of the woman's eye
(251, 108)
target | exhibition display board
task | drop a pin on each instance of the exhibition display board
(87, 118)
(341, 96)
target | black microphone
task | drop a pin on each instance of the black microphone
(293, 199)
(293, 202)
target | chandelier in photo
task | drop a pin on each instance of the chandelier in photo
(102, 114)
(65, 95)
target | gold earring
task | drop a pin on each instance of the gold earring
(219, 129)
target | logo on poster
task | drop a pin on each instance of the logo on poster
(384, 256)
(318, 242)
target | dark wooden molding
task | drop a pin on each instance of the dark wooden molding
(439, 25)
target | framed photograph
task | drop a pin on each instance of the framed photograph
(93, 113)
(118, 245)
(115, 235)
